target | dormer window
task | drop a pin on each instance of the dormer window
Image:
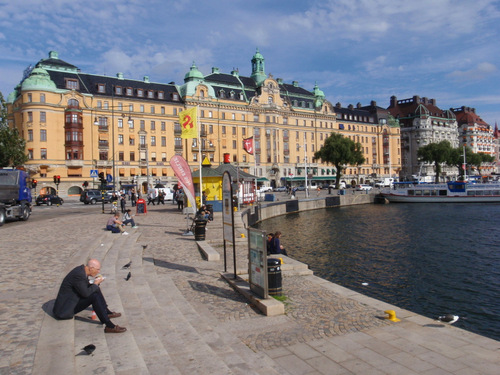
(231, 94)
(222, 94)
(101, 88)
(72, 84)
(118, 90)
(175, 96)
(241, 96)
(140, 93)
(161, 95)
(151, 94)
(130, 91)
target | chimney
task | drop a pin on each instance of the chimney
(394, 101)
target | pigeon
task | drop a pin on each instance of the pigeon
(128, 276)
(89, 349)
(127, 266)
(448, 318)
(144, 247)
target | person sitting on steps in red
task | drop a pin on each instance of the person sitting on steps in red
(77, 293)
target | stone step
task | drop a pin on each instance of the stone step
(221, 347)
(57, 337)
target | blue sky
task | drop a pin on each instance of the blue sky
(356, 50)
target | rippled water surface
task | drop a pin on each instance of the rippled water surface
(428, 258)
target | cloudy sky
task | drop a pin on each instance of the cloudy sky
(356, 50)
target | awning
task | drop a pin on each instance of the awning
(131, 136)
(144, 171)
(121, 170)
(262, 179)
(164, 171)
(153, 171)
(132, 171)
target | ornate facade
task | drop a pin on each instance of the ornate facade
(75, 123)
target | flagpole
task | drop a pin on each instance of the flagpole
(255, 165)
(199, 154)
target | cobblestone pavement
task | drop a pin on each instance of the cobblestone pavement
(321, 330)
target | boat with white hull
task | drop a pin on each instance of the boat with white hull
(450, 192)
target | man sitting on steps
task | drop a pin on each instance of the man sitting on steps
(77, 293)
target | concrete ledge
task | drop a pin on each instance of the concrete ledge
(210, 253)
(269, 307)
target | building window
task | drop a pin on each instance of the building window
(163, 156)
(42, 98)
(152, 109)
(72, 84)
(161, 95)
(140, 93)
(131, 124)
(210, 129)
(43, 153)
(243, 131)
(30, 98)
(234, 144)
(43, 116)
(30, 154)
(118, 90)
(129, 91)
(132, 156)
(163, 126)
(234, 130)
(30, 116)
(141, 108)
(210, 114)
(153, 125)
(175, 96)
(121, 156)
(143, 125)
(43, 135)
(151, 95)
(120, 123)
(163, 141)
(223, 130)
(30, 135)
(131, 141)
(101, 88)
(153, 140)
(120, 139)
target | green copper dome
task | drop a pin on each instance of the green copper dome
(39, 79)
(193, 74)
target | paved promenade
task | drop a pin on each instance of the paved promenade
(183, 318)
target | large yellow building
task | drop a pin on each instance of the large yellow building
(77, 123)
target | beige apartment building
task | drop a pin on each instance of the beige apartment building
(79, 124)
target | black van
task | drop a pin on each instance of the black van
(93, 196)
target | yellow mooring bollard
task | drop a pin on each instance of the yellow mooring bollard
(242, 235)
(392, 316)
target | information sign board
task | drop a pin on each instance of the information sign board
(257, 262)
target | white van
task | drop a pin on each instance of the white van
(169, 193)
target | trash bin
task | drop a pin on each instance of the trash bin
(199, 230)
(274, 277)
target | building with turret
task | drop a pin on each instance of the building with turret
(77, 123)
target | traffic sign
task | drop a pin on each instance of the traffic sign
(94, 173)
(109, 178)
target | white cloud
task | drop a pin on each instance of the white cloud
(480, 72)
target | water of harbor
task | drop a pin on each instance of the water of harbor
(428, 258)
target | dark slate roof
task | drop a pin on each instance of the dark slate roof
(206, 171)
(89, 85)
(55, 63)
(227, 79)
(233, 171)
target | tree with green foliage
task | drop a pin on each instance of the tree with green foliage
(341, 152)
(437, 153)
(456, 158)
(12, 145)
(478, 159)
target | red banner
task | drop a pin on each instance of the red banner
(183, 173)
(248, 145)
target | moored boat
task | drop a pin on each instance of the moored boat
(449, 192)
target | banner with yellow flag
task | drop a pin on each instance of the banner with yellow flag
(188, 120)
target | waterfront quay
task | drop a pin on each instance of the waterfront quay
(182, 317)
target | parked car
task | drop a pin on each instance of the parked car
(93, 196)
(301, 188)
(48, 199)
(280, 188)
(363, 187)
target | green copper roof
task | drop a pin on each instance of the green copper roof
(193, 74)
(39, 79)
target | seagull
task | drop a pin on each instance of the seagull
(128, 276)
(448, 318)
(89, 349)
(126, 266)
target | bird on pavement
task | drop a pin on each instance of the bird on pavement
(89, 349)
(126, 266)
(448, 318)
(128, 276)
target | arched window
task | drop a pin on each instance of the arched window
(270, 100)
(73, 103)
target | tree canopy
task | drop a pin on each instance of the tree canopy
(12, 145)
(437, 153)
(340, 152)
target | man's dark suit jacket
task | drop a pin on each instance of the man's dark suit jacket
(74, 287)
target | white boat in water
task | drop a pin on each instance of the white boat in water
(449, 192)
